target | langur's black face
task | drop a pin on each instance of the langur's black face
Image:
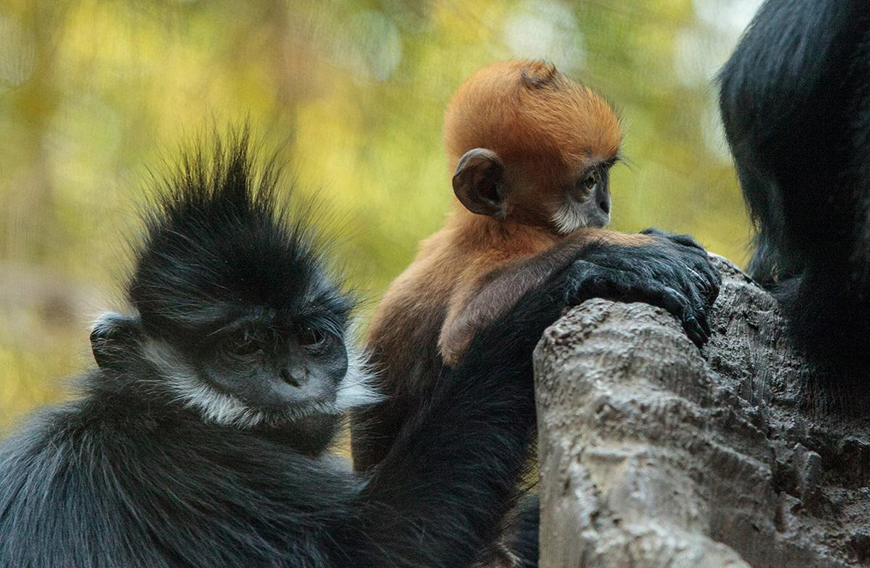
(260, 367)
(258, 371)
(294, 368)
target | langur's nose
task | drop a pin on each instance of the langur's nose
(295, 378)
(605, 206)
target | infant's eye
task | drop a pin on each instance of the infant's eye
(590, 181)
(310, 336)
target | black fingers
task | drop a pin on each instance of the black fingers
(694, 320)
(685, 240)
(696, 278)
(673, 273)
(697, 262)
(588, 280)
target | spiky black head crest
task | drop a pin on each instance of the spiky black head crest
(220, 245)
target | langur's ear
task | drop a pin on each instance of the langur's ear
(479, 182)
(112, 335)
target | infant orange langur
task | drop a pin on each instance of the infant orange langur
(531, 152)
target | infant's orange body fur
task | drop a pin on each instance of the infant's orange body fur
(450, 266)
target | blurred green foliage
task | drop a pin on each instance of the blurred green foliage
(93, 93)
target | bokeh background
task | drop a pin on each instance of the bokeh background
(95, 94)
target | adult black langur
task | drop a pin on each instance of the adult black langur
(200, 440)
(795, 101)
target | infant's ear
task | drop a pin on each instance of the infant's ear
(112, 335)
(479, 182)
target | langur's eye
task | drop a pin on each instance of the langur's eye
(310, 336)
(241, 344)
(590, 181)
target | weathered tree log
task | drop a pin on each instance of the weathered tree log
(655, 453)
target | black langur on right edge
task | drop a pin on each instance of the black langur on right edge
(795, 101)
(201, 439)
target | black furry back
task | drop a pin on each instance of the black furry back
(795, 102)
(218, 244)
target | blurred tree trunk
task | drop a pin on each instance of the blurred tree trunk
(654, 453)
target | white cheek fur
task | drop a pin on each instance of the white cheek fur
(357, 388)
(569, 217)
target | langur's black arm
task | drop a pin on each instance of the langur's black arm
(461, 457)
(655, 268)
(795, 102)
(439, 496)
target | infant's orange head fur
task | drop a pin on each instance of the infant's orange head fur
(546, 129)
(512, 107)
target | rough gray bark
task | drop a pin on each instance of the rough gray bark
(655, 453)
